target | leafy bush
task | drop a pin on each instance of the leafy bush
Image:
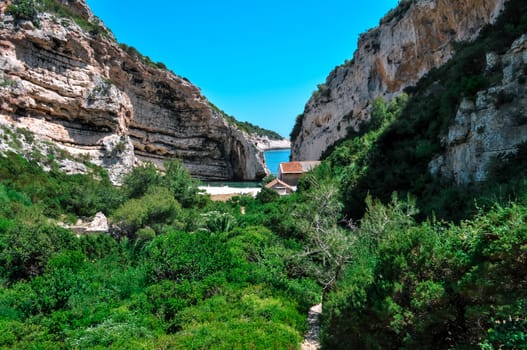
(430, 286)
(157, 206)
(58, 7)
(140, 180)
(218, 222)
(222, 323)
(58, 193)
(267, 195)
(184, 188)
(184, 256)
(176, 179)
(25, 249)
(24, 10)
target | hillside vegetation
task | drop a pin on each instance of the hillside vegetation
(400, 259)
(247, 127)
(392, 152)
(177, 271)
(434, 265)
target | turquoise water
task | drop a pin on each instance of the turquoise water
(273, 158)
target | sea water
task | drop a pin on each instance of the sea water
(273, 158)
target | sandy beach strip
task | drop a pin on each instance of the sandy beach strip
(227, 190)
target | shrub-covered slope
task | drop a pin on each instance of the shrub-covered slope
(176, 271)
(440, 265)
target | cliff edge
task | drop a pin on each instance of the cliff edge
(412, 39)
(65, 78)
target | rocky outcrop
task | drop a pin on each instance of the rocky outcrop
(98, 224)
(491, 126)
(264, 143)
(115, 153)
(411, 40)
(81, 90)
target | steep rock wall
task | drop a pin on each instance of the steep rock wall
(410, 41)
(491, 126)
(79, 88)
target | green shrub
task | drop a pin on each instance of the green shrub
(246, 320)
(97, 246)
(267, 195)
(297, 128)
(137, 182)
(420, 284)
(179, 181)
(24, 10)
(185, 256)
(156, 207)
(218, 222)
(25, 249)
(58, 7)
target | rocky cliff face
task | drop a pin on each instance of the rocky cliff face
(491, 126)
(411, 40)
(81, 90)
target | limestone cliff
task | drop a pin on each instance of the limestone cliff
(411, 40)
(491, 126)
(80, 89)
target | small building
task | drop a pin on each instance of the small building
(290, 172)
(281, 187)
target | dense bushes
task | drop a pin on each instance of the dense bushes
(24, 10)
(432, 286)
(55, 193)
(416, 282)
(25, 249)
(181, 256)
(29, 10)
(178, 269)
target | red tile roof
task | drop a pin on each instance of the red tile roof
(297, 167)
(280, 183)
(291, 168)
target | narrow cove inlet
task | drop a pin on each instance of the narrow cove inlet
(224, 190)
(274, 157)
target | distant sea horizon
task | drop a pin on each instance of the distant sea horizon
(274, 157)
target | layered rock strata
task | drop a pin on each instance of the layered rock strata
(491, 126)
(411, 40)
(86, 93)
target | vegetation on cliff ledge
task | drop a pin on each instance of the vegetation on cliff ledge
(30, 9)
(247, 127)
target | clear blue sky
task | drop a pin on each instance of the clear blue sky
(257, 60)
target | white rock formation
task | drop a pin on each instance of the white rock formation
(411, 40)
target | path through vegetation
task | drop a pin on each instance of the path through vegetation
(311, 339)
